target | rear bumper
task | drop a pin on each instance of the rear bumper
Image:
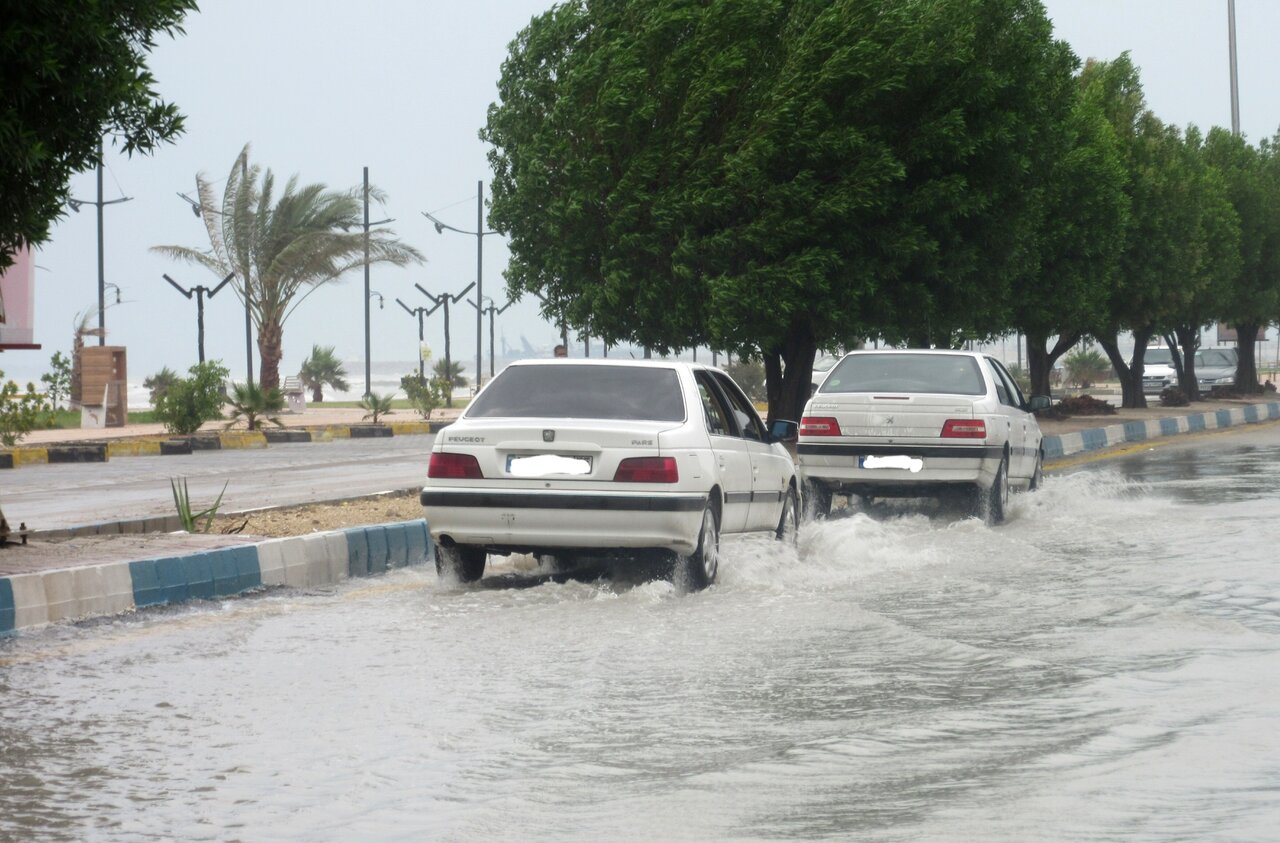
(553, 520)
(836, 467)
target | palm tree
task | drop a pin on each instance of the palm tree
(377, 405)
(282, 249)
(322, 369)
(452, 379)
(255, 405)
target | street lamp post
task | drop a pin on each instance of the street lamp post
(491, 309)
(444, 300)
(367, 292)
(102, 283)
(479, 234)
(419, 312)
(200, 293)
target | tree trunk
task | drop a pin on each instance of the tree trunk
(789, 373)
(1188, 337)
(270, 344)
(1040, 361)
(1247, 364)
(1130, 376)
(316, 394)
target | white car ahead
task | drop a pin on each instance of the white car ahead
(919, 423)
(585, 458)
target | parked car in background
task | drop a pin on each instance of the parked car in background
(579, 459)
(920, 423)
(1216, 367)
(821, 366)
(1157, 371)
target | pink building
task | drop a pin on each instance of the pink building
(18, 303)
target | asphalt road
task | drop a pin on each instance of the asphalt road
(48, 497)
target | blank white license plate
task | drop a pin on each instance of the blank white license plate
(912, 464)
(547, 465)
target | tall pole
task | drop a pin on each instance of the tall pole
(366, 283)
(199, 291)
(422, 373)
(492, 311)
(479, 279)
(1235, 89)
(102, 280)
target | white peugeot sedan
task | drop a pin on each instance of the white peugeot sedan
(584, 458)
(920, 423)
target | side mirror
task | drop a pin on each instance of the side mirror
(782, 430)
(1040, 402)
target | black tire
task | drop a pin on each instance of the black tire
(997, 497)
(789, 522)
(1037, 475)
(460, 562)
(817, 501)
(697, 570)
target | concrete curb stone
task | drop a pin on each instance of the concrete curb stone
(32, 599)
(1094, 439)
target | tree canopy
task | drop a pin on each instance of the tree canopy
(71, 73)
(775, 176)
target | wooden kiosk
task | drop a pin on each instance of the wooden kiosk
(104, 386)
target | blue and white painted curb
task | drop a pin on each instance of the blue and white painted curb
(1095, 439)
(37, 598)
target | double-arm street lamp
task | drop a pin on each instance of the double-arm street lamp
(443, 301)
(200, 293)
(102, 284)
(200, 210)
(491, 309)
(479, 234)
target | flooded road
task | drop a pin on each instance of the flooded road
(1104, 667)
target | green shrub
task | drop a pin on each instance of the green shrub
(1086, 366)
(57, 381)
(20, 412)
(425, 394)
(191, 401)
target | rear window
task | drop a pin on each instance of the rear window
(929, 373)
(566, 391)
(1157, 355)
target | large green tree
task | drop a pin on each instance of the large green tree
(282, 248)
(1252, 177)
(774, 176)
(1085, 213)
(71, 73)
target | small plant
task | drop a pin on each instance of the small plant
(377, 405)
(323, 369)
(159, 383)
(425, 395)
(182, 502)
(189, 402)
(20, 412)
(1086, 366)
(57, 381)
(255, 405)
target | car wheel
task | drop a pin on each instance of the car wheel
(460, 562)
(995, 500)
(697, 570)
(789, 522)
(1037, 476)
(817, 499)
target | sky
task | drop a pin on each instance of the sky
(322, 89)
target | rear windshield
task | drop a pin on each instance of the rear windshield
(1157, 355)
(581, 392)
(930, 373)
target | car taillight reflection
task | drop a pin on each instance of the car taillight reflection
(819, 426)
(454, 466)
(647, 470)
(964, 429)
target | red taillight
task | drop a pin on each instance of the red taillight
(819, 426)
(647, 470)
(964, 429)
(454, 466)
